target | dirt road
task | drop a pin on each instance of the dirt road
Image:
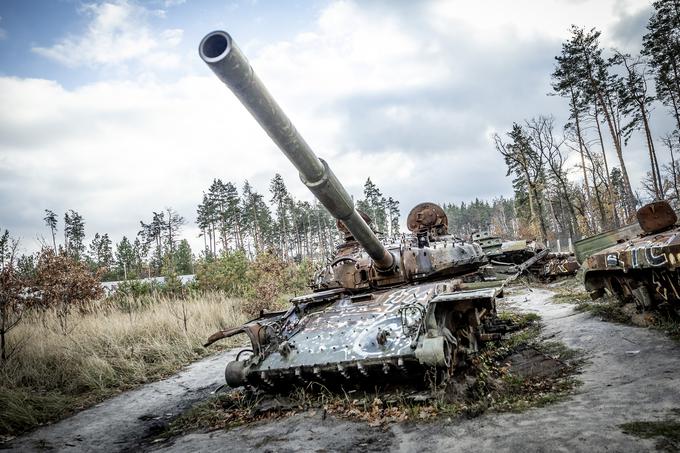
(632, 374)
(120, 423)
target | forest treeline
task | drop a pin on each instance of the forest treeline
(228, 220)
(613, 98)
(570, 180)
(243, 221)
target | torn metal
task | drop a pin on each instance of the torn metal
(506, 256)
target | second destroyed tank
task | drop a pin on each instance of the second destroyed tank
(377, 309)
(505, 257)
(638, 262)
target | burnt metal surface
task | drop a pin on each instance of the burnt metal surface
(644, 268)
(489, 243)
(506, 257)
(559, 265)
(656, 217)
(378, 309)
(593, 244)
(398, 332)
(426, 217)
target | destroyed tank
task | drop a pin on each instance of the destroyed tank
(377, 309)
(636, 263)
(505, 257)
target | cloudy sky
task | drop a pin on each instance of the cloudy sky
(108, 110)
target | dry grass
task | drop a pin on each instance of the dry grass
(113, 347)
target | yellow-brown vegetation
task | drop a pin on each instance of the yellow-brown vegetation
(109, 346)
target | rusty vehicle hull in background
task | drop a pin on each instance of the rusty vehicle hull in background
(505, 256)
(643, 268)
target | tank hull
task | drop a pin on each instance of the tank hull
(338, 337)
(644, 269)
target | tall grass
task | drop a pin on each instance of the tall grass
(112, 345)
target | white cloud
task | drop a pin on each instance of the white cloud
(523, 20)
(115, 151)
(406, 96)
(118, 33)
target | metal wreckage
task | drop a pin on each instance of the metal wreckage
(505, 257)
(636, 263)
(376, 310)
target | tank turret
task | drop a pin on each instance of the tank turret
(377, 308)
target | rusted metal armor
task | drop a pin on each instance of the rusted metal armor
(377, 309)
(636, 263)
(505, 257)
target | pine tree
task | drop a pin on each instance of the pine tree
(51, 222)
(635, 102)
(126, 258)
(184, 258)
(100, 254)
(282, 202)
(205, 215)
(393, 212)
(528, 167)
(662, 46)
(373, 204)
(152, 236)
(74, 234)
(583, 72)
(232, 214)
(140, 252)
(171, 229)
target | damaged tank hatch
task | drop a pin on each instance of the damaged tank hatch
(643, 268)
(377, 309)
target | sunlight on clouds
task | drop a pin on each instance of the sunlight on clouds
(118, 33)
(352, 51)
(510, 22)
(130, 148)
(407, 94)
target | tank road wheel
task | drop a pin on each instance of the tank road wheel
(467, 339)
(458, 348)
(461, 344)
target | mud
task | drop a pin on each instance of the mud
(632, 374)
(530, 362)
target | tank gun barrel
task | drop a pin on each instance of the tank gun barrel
(227, 61)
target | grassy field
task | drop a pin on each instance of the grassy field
(61, 365)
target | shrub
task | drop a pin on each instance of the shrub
(64, 283)
(227, 273)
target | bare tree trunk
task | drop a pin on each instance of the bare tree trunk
(669, 143)
(530, 192)
(656, 174)
(630, 202)
(541, 217)
(608, 182)
(579, 137)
